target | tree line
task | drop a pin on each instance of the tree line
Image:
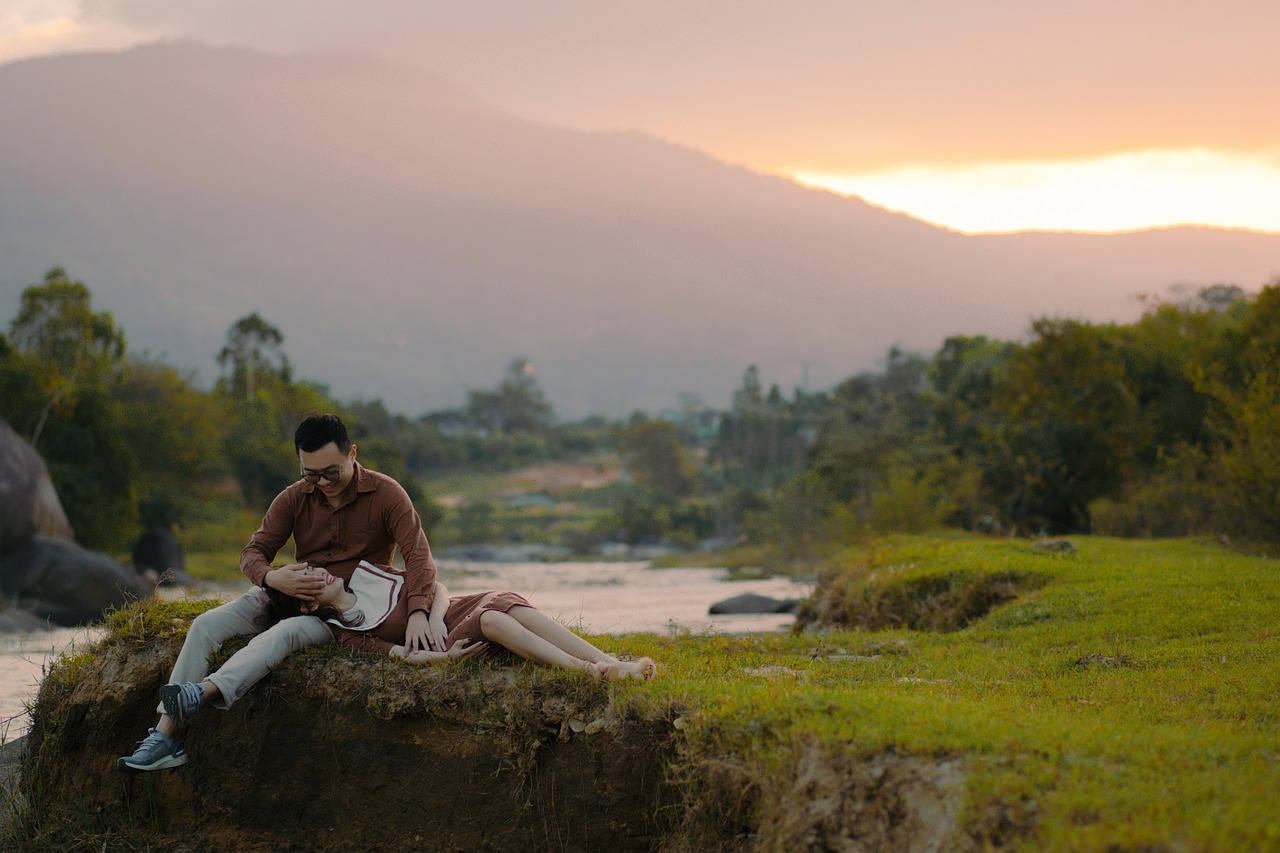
(1163, 426)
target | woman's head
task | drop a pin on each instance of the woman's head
(327, 603)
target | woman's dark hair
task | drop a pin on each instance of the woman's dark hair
(316, 431)
(284, 606)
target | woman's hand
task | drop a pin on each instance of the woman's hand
(416, 636)
(460, 651)
(464, 649)
(437, 634)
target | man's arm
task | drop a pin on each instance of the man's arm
(420, 568)
(276, 528)
(255, 559)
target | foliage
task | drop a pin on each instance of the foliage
(94, 470)
(57, 324)
(1069, 428)
(1158, 426)
(764, 438)
(253, 352)
(653, 456)
(174, 432)
(61, 371)
(518, 404)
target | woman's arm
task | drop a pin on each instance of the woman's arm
(363, 641)
(459, 651)
(436, 629)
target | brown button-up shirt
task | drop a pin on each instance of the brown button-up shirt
(374, 516)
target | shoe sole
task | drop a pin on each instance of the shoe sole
(171, 699)
(163, 764)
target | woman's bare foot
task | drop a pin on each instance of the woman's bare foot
(627, 670)
(644, 669)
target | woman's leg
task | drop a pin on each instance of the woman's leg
(503, 629)
(533, 635)
(558, 635)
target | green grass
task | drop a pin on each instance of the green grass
(1134, 699)
(223, 565)
(466, 481)
(1128, 699)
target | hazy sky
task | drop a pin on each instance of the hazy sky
(982, 115)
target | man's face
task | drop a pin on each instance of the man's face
(328, 468)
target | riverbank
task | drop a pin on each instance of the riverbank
(1125, 700)
(615, 597)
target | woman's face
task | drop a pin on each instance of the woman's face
(330, 594)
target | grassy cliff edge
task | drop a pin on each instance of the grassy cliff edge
(1120, 698)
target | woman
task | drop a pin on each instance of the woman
(369, 613)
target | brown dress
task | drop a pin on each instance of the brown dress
(461, 621)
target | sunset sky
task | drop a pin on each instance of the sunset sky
(991, 115)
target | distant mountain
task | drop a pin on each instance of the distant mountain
(409, 241)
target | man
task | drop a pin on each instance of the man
(338, 514)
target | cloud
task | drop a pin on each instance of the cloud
(41, 27)
(1132, 190)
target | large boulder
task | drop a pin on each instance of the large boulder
(59, 581)
(28, 502)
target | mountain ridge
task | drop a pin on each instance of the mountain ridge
(409, 240)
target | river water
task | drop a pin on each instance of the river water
(599, 598)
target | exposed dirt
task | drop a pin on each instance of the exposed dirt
(332, 752)
(885, 803)
(556, 477)
(553, 478)
(821, 800)
(335, 751)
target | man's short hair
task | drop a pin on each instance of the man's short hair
(316, 431)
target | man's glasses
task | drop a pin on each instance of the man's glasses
(329, 476)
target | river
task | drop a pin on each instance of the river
(599, 598)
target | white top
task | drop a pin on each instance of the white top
(376, 591)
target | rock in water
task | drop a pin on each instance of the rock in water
(750, 602)
(66, 584)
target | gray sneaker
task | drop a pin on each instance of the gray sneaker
(180, 701)
(155, 752)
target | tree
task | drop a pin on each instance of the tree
(1244, 383)
(517, 405)
(174, 432)
(253, 348)
(1067, 429)
(56, 324)
(654, 457)
(763, 438)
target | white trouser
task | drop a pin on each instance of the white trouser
(249, 665)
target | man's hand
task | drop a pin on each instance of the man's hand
(291, 581)
(417, 635)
